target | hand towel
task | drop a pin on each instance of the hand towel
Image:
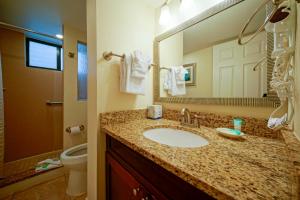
(140, 64)
(128, 83)
(180, 73)
(176, 89)
(167, 80)
(277, 123)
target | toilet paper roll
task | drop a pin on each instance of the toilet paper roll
(74, 130)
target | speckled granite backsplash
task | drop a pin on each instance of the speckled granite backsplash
(122, 116)
(252, 126)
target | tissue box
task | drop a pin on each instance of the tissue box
(154, 111)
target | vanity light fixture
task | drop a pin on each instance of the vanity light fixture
(165, 15)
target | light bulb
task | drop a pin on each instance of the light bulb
(165, 15)
(59, 36)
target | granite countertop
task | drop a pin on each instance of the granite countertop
(252, 168)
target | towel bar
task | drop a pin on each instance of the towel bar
(165, 68)
(108, 56)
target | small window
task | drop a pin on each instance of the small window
(82, 71)
(40, 54)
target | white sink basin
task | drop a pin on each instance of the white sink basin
(175, 137)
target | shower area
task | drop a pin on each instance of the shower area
(31, 103)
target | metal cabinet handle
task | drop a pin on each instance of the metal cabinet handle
(135, 191)
(52, 103)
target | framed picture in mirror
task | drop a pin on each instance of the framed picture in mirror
(190, 77)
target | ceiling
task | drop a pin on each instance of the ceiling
(46, 16)
(223, 26)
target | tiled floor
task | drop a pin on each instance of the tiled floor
(19, 170)
(25, 164)
(52, 190)
(21, 176)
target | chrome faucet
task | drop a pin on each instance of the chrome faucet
(185, 117)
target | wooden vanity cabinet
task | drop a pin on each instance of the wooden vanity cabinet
(131, 176)
(122, 185)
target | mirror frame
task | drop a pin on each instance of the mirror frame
(270, 101)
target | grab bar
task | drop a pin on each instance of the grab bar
(53, 103)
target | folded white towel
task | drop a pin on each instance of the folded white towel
(47, 165)
(128, 83)
(176, 89)
(180, 73)
(140, 64)
(277, 123)
(167, 80)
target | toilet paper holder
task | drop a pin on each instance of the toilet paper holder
(81, 127)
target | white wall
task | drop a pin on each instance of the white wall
(75, 111)
(119, 26)
(123, 27)
(92, 114)
(204, 73)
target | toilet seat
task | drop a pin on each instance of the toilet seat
(70, 156)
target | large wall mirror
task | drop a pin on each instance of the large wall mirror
(217, 69)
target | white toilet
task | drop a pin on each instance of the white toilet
(75, 160)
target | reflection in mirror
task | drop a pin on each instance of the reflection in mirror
(210, 61)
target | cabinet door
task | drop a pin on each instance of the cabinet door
(121, 185)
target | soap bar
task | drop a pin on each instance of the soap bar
(230, 132)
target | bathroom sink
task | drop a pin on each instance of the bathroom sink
(175, 138)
